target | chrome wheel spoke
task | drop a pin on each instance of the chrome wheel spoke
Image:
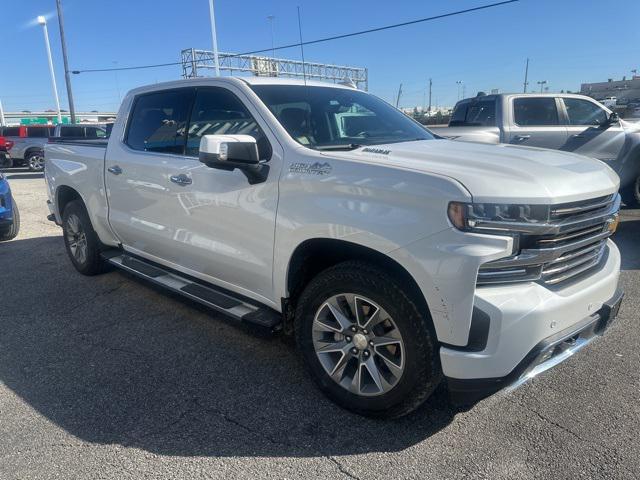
(358, 344)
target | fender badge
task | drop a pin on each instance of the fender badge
(316, 168)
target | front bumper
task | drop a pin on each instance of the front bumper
(530, 319)
(545, 355)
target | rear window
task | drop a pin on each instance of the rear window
(72, 132)
(11, 131)
(38, 132)
(480, 113)
(535, 111)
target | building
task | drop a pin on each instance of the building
(50, 117)
(625, 91)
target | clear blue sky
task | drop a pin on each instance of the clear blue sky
(568, 42)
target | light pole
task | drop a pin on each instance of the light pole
(460, 83)
(43, 21)
(542, 83)
(214, 39)
(67, 78)
(2, 121)
(271, 18)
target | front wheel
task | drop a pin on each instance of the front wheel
(35, 161)
(631, 194)
(12, 231)
(366, 343)
(81, 241)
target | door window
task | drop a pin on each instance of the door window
(535, 111)
(480, 113)
(158, 121)
(72, 132)
(11, 131)
(37, 132)
(584, 112)
(217, 111)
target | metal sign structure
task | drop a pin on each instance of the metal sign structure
(195, 61)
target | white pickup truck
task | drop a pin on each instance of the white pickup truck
(398, 260)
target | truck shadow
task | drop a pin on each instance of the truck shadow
(111, 360)
(627, 238)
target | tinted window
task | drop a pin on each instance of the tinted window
(583, 112)
(217, 111)
(72, 132)
(158, 121)
(37, 132)
(327, 117)
(11, 131)
(475, 113)
(535, 111)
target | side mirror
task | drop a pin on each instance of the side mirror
(228, 152)
(613, 118)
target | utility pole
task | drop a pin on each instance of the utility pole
(214, 39)
(526, 77)
(2, 120)
(67, 77)
(398, 97)
(430, 84)
(43, 22)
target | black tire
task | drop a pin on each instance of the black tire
(35, 161)
(14, 229)
(631, 194)
(422, 372)
(76, 226)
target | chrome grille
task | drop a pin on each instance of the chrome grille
(571, 243)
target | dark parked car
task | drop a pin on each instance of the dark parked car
(9, 215)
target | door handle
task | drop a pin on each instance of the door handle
(577, 135)
(521, 138)
(116, 170)
(181, 179)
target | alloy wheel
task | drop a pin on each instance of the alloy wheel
(76, 239)
(36, 162)
(358, 344)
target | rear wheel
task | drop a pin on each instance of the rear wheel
(366, 343)
(35, 161)
(12, 231)
(81, 241)
(631, 194)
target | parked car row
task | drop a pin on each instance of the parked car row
(25, 144)
(566, 122)
(399, 261)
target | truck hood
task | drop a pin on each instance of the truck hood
(499, 173)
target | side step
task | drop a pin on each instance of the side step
(222, 301)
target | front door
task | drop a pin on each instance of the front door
(536, 122)
(589, 132)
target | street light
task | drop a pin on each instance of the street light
(542, 83)
(43, 21)
(273, 49)
(214, 39)
(460, 83)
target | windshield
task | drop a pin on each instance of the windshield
(326, 118)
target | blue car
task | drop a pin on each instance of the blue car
(9, 216)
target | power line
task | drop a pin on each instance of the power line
(319, 40)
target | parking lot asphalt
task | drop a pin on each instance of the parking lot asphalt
(108, 377)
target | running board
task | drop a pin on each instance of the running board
(211, 297)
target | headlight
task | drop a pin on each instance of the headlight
(496, 217)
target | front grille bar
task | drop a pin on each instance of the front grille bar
(578, 245)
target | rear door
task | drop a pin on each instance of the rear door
(589, 132)
(141, 205)
(536, 122)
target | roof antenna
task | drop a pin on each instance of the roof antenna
(304, 68)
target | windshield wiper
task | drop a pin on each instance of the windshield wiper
(342, 146)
